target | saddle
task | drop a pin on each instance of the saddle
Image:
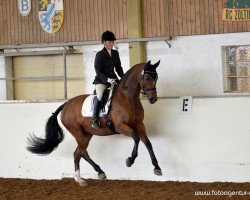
(87, 107)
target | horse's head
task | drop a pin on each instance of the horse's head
(148, 81)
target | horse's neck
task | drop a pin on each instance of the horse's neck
(130, 86)
(127, 96)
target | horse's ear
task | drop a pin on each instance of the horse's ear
(156, 64)
(148, 65)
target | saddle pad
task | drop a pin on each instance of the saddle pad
(87, 107)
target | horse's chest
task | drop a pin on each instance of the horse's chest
(135, 113)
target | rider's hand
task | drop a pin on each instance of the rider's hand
(111, 81)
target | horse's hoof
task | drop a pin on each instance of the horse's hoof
(102, 176)
(128, 163)
(157, 172)
(82, 182)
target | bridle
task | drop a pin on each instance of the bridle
(154, 79)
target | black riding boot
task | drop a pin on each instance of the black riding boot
(96, 111)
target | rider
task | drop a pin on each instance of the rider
(106, 61)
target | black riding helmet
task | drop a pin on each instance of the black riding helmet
(108, 36)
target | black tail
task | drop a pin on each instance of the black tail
(53, 136)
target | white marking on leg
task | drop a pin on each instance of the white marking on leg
(78, 178)
(77, 175)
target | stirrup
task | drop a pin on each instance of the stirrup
(95, 123)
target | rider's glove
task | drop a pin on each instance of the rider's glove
(111, 81)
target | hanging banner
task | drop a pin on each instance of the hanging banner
(51, 15)
(236, 11)
(24, 7)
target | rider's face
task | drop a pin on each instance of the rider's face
(109, 44)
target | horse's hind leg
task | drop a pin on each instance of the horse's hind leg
(142, 134)
(130, 160)
(83, 139)
(81, 151)
(77, 157)
(101, 174)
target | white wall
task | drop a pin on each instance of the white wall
(193, 64)
(210, 144)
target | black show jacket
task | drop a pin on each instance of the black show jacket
(105, 65)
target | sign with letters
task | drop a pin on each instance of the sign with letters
(186, 104)
(24, 7)
(51, 15)
(236, 11)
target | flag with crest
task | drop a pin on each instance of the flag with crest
(51, 15)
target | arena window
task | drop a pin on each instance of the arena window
(236, 62)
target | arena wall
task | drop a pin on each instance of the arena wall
(209, 144)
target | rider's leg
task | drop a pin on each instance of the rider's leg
(100, 88)
(96, 111)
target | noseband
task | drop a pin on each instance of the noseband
(154, 79)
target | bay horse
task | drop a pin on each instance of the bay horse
(126, 113)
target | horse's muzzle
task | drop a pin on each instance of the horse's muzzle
(152, 100)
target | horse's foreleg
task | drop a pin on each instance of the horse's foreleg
(142, 134)
(148, 144)
(126, 130)
(130, 160)
(77, 157)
